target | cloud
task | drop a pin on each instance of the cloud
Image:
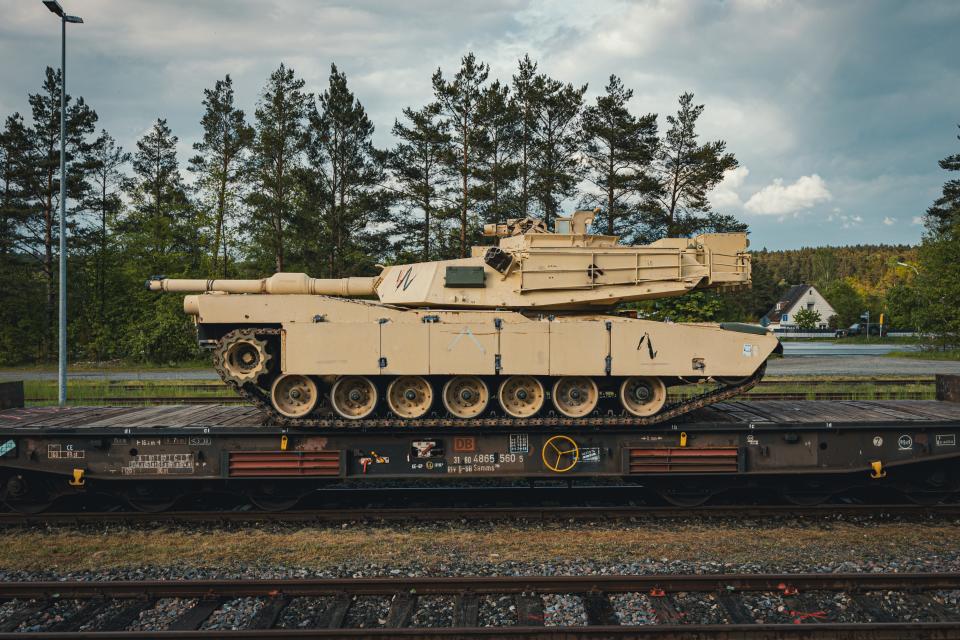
(845, 221)
(918, 220)
(780, 199)
(887, 220)
(726, 195)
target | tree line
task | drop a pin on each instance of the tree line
(299, 185)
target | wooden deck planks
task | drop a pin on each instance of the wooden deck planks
(731, 412)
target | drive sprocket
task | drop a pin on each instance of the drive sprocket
(242, 357)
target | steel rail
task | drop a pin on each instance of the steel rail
(823, 631)
(498, 585)
(281, 592)
(401, 514)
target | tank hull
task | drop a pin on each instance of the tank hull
(325, 339)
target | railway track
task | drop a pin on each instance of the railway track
(528, 513)
(879, 605)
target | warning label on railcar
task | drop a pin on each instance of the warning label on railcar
(159, 464)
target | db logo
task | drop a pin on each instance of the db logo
(466, 443)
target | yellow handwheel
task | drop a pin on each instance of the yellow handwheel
(560, 454)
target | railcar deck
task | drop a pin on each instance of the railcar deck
(804, 449)
(721, 415)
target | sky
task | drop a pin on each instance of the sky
(837, 111)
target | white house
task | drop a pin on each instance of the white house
(797, 297)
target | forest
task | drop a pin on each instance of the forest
(298, 185)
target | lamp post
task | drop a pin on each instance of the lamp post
(901, 263)
(55, 7)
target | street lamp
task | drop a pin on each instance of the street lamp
(55, 7)
(901, 263)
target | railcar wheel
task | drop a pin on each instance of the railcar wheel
(643, 395)
(811, 499)
(575, 396)
(294, 395)
(521, 396)
(409, 396)
(353, 397)
(686, 498)
(272, 498)
(465, 396)
(244, 358)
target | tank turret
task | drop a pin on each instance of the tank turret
(530, 267)
(523, 330)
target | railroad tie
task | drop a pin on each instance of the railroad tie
(665, 609)
(466, 610)
(15, 620)
(124, 617)
(336, 613)
(939, 611)
(529, 609)
(872, 607)
(192, 618)
(599, 610)
(269, 613)
(402, 606)
(87, 611)
(736, 611)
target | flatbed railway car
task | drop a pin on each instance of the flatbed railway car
(805, 451)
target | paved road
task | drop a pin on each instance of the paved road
(860, 365)
(830, 349)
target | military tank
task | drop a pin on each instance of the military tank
(524, 332)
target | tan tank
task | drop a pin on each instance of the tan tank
(523, 332)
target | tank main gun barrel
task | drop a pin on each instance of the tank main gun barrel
(279, 283)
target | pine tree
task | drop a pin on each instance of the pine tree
(938, 278)
(104, 201)
(416, 164)
(350, 171)
(459, 101)
(38, 173)
(526, 101)
(556, 167)
(686, 172)
(277, 157)
(158, 226)
(944, 214)
(618, 151)
(219, 165)
(498, 166)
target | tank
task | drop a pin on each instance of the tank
(531, 330)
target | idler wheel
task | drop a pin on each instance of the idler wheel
(294, 395)
(244, 358)
(353, 397)
(521, 396)
(575, 396)
(465, 396)
(409, 396)
(643, 395)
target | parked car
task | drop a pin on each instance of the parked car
(858, 329)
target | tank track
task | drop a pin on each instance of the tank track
(261, 399)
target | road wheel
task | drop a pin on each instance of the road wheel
(465, 396)
(643, 396)
(294, 395)
(409, 396)
(575, 396)
(521, 396)
(353, 397)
